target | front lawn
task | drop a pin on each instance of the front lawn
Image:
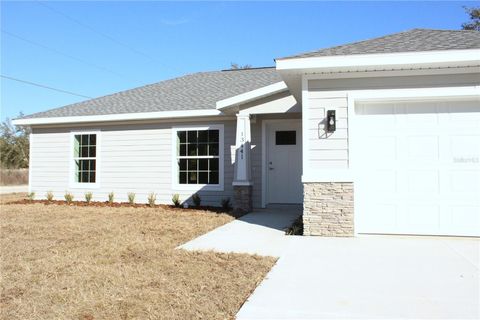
(70, 262)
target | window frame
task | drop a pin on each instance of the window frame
(221, 150)
(85, 185)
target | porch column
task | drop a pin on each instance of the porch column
(242, 184)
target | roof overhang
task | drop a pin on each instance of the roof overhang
(381, 61)
(251, 95)
(118, 117)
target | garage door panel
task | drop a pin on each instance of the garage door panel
(423, 217)
(423, 181)
(420, 174)
(388, 154)
(466, 182)
(381, 216)
(465, 217)
(423, 148)
(464, 148)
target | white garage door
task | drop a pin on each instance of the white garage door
(418, 168)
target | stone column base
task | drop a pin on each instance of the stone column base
(242, 200)
(328, 209)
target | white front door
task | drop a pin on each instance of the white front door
(284, 161)
(418, 168)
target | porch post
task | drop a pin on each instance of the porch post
(242, 184)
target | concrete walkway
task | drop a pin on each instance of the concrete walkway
(371, 277)
(261, 232)
(367, 277)
(13, 189)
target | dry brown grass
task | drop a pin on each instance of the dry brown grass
(10, 177)
(60, 262)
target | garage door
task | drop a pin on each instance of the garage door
(418, 168)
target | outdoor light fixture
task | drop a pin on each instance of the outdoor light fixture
(331, 121)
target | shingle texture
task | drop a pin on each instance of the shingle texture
(408, 41)
(191, 92)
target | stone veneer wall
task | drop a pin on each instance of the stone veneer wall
(328, 209)
(242, 199)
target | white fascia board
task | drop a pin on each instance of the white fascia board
(252, 95)
(119, 117)
(392, 60)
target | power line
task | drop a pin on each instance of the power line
(60, 53)
(94, 30)
(106, 36)
(44, 86)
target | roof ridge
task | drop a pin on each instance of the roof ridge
(394, 36)
(349, 43)
(445, 30)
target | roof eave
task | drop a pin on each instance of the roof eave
(391, 61)
(117, 117)
(251, 95)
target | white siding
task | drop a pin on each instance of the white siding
(133, 158)
(331, 94)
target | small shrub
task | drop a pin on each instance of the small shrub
(226, 205)
(88, 196)
(111, 197)
(152, 197)
(176, 200)
(68, 197)
(131, 197)
(296, 228)
(31, 196)
(49, 196)
(196, 200)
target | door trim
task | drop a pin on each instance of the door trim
(264, 153)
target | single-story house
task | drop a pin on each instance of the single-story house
(378, 136)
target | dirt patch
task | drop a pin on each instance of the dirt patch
(117, 262)
(114, 205)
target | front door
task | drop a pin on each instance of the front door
(284, 161)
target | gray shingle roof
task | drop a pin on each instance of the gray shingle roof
(191, 92)
(407, 41)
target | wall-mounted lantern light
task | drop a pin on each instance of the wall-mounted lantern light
(331, 120)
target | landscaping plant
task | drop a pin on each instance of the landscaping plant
(68, 197)
(131, 197)
(196, 200)
(111, 197)
(176, 200)
(31, 196)
(88, 196)
(152, 197)
(49, 195)
(226, 205)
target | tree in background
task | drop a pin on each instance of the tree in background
(474, 23)
(236, 66)
(14, 145)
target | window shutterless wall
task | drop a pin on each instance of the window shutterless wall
(132, 157)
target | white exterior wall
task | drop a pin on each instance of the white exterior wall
(322, 154)
(133, 158)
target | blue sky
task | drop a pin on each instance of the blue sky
(97, 48)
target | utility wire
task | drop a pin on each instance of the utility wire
(44, 86)
(61, 53)
(106, 36)
(94, 30)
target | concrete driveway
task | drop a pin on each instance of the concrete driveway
(363, 277)
(371, 277)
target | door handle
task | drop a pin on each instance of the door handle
(271, 168)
